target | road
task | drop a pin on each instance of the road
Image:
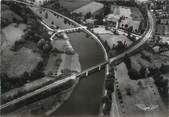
(133, 48)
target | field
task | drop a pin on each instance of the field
(69, 62)
(111, 38)
(16, 63)
(71, 5)
(133, 15)
(11, 34)
(132, 94)
(11, 60)
(58, 21)
(129, 12)
(59, 63)
(63, 45)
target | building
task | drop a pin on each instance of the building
(94, 8)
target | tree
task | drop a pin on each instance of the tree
(14, 20)
(88, 15)
(128, 91)
(127, 61)
(107, 46)
(26, 75)
(164, 69)
(46, 15)
(143, 72)
(65, 21)
(134, 75)
(140, 84)
(126, 25)
(52, 22)
(41, 43)
(130, 29)
(47, 47)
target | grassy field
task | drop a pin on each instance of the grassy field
(111, 38)
(58, 21)
(11, 34)
(69, 62)
(16, 63)
(74, 4)
(132, 14)
(23, 60)
(146, 93)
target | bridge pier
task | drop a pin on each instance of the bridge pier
(87, 73)
(99, 67)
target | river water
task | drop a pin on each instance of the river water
(86, 97)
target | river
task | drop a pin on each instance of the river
(86, 97)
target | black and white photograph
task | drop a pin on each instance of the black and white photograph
(84, 58)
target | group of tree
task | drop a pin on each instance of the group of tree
(8, 83)
(109, 87)
(88, 15)
(161, 81)
(44, 45)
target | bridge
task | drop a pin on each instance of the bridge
(70, 30)
(85, 73)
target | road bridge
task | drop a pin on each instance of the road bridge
(70, 30)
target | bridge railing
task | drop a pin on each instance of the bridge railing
(93, 68)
